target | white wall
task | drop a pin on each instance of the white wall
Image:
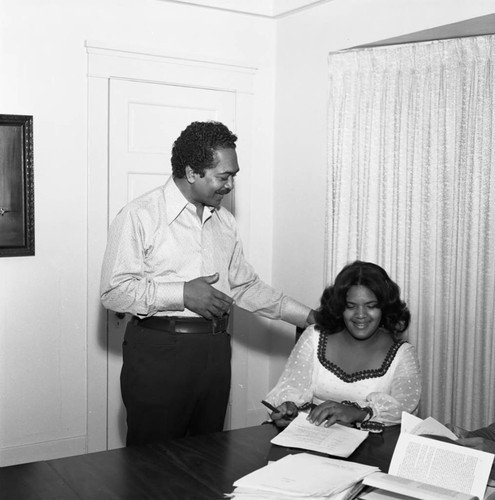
(43, 65)
(303, 43)
(43, 330)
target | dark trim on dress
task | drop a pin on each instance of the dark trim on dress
(362, 374)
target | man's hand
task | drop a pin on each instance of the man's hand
(458, 431)
(201, 298)
(310, 320)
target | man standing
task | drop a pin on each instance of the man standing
(174, 261)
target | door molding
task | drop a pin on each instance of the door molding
(105, 62)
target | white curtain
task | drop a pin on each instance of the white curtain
(411, 187)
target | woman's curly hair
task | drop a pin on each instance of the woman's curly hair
(196, 145)
(395, 314)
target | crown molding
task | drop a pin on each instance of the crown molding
(270, 9)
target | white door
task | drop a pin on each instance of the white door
(145, 119)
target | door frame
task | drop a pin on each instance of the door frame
(106, 63)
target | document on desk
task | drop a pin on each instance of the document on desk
(303, 475)
(337, 440)
(429, 469)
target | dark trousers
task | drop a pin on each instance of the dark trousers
(174, 385)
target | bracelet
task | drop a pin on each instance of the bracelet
(306, 406)
(365, 424)
(373, 427)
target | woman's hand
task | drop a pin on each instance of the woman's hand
(332, 412)
(287, 412)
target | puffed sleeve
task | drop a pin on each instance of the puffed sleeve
(296, 382)
(405, 390)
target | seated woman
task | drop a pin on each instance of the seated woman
(352, 365)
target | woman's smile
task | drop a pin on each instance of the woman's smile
(362, 315)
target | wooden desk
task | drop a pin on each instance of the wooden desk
(196, 468)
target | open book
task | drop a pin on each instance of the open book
(431, 469)
(337, 440)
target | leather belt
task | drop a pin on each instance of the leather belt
(178, 324)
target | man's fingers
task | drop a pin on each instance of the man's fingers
(220, 306)
(217, 311)
(212, 278)
(225, 299)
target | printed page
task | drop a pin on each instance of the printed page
(409, 422)
(441, 464)
(337, 440)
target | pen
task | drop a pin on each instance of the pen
(270, 407)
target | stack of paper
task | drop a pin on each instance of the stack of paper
(303, 476)
(337, 440)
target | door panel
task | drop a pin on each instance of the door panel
(145, 119)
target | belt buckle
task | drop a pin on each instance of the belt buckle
(172, 325)
(214, 324)
(219, 325)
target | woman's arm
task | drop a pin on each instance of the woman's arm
(405, 390)
(295, 383)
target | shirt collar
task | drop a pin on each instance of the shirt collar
(176, 202)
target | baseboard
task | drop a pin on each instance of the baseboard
(47, 450)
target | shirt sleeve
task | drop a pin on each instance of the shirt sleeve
(405, 391)
(254, 295)
(296, 382)
(124, 286)
(485, 432)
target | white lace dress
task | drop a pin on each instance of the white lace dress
(309, 377)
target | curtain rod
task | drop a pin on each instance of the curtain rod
(398, 44)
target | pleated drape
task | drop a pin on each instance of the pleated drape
(411, 186)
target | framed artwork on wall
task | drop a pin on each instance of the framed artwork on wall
(16, 186)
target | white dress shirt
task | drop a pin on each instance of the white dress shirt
(157, 242)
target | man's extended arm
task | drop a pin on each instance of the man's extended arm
(253, 294)
(485, 432)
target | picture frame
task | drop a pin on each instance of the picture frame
(16, 186)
